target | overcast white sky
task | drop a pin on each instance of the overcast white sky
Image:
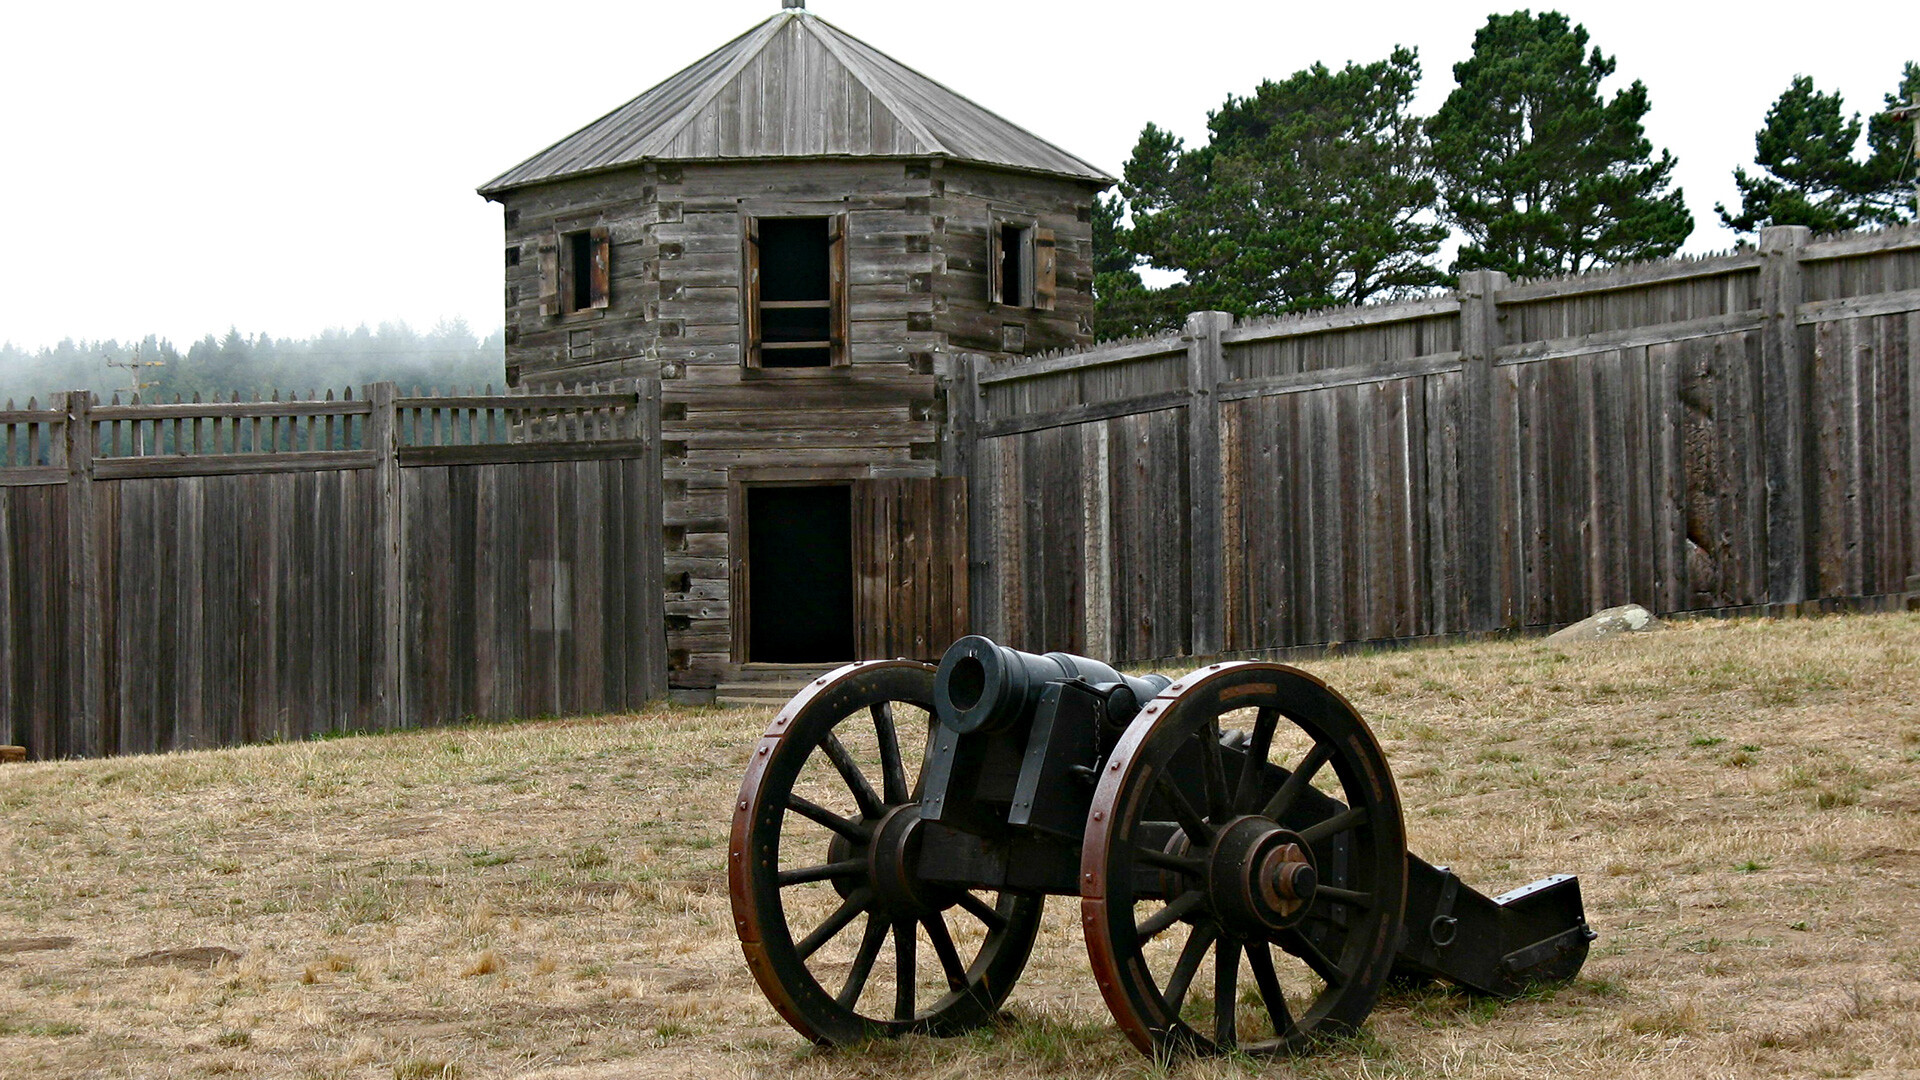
(180, 167)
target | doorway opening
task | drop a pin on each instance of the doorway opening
(800, 574)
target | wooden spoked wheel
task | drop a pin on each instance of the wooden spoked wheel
(1246, 823)
(839, 930)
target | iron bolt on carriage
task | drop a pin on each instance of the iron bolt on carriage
(1243, 815)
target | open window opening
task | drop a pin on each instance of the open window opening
(800, 574)
(1016, 265)
(1021, 265)
(577, 274)
(796, 287)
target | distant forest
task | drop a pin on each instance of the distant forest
(445, 358)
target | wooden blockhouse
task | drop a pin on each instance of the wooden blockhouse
(801, 236)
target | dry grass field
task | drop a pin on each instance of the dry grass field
(1740, 799)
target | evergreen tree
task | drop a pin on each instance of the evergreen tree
(1541, 174)
(1122, 305)
(1806, 149)
(1888, 197)
(1312, 192)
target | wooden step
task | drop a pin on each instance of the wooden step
(768, 685)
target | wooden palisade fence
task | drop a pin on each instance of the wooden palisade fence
(1732, 432)
(192, 574)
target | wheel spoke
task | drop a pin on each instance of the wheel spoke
(813, 811)
(1214, 772)
(943, 948)
(983, 911)
(1303, 947)
(1361, 900)
(1226, 976)
(893, 773)
(843, 868)
(1190, 819)
(1346, 819)
(1199, 940)
(1297, 782)
(849, 909)
(1167, 916)
(1261, 961)
(905, 970)
(1176, 863)
(1256, 761)
(870, 942)
(870, 804)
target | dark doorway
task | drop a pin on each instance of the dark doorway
(799, 574)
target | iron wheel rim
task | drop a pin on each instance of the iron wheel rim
(803, 731)
(1351, 960)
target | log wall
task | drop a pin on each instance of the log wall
(917, 290)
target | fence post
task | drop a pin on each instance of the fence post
(1480, 554)
(1783, 389)
(383, 438)
(86, 655)
(963, 389)
(963, 425)
(1206, 370)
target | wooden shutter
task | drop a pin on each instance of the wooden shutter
(600, 289)
(910, 588)
(837, 289)
(750, 293)
(1045, 268)
(550, 276)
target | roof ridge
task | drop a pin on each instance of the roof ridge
(903, 115)
(670, 130)
(888, 58)
(739, 41)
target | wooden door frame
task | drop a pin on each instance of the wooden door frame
(739, 560)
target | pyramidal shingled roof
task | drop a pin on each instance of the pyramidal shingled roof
(795, 86)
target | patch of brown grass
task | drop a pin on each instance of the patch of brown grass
(1740, 800)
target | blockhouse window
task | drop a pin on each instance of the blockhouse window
(576, 272)
(1020, 265)
(796, 292)
(1015, 263)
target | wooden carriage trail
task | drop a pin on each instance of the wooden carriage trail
(210, 573)
(1725, 433)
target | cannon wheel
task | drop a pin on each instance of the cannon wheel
(866, 831)
(1243, 863)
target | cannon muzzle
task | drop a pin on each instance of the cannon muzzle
(982, 686)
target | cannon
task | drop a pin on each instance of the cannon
(1239, 821)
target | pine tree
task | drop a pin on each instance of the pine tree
(1314, 191)
(1541, 174)
(1806, 148)
(1890, 166)
(1122, 305)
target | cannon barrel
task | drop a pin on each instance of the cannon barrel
(981, 686)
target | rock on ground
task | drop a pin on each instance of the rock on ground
(1625, 619)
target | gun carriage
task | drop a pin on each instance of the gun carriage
(1240, 821)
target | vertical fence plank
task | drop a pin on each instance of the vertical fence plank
(1206, 370)
(1784, 391)
(85, 677)
(1480, 496)
(390, 533)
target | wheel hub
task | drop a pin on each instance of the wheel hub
(893, 860)
(1260, 877)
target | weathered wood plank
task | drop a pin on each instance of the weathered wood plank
(1854, 307)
